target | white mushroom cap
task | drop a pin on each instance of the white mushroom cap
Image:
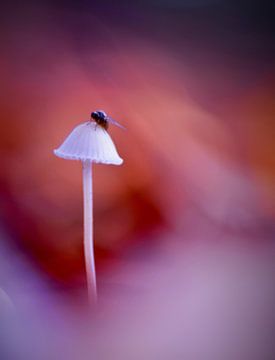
(89, 141)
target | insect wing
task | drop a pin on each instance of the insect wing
(114, 122)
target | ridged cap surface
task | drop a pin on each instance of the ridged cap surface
(89, 141)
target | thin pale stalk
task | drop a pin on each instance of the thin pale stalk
(88, 231)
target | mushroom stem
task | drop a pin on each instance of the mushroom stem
(88, 230)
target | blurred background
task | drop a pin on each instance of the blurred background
(184, 230)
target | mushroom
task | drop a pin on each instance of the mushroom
(90, 143)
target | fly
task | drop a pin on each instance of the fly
(103, 120)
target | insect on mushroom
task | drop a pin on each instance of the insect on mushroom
(103, 120)
(90, 143)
